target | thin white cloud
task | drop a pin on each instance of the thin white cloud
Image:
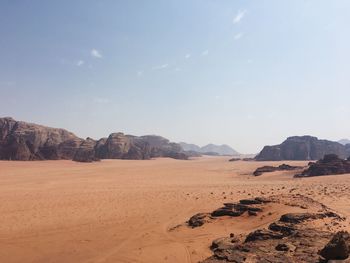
(238, 36)
(80, 63)
(164, 66)
(240, 15)
(139, 73)
(205, 52)
(96, 53)
(187, 56)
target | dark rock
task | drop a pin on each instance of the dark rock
(268, 169)
(248, 159)
(234, 159)
(296, 218)
(282, 247)
(241, 207)
(264, 169)
(331, 164)
(224, 211)
(263, 234)
(263, 200)
(302, 148)
(197, 220)
(250, 201)
(252, 213)
(284, 228)
(338, 248)
(291, 239)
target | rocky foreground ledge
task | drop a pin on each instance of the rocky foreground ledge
(316, 234)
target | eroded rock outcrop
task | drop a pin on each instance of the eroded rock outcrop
(86, 151)
(302, 148)
(295, 237)
(331, 164)
(269, 169)
(27, 141)
(251, 207)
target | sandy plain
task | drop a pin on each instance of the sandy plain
(135, 211)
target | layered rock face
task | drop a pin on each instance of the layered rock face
(302, 148)
(26, 141)
(86, 151)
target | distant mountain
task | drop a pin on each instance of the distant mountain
(302, 148)
(27, 141)
(210, 149)
(188, 147)
(344, 141)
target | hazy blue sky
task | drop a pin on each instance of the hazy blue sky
(245, 73)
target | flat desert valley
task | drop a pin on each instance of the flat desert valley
(136, 211)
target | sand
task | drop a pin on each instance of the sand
(135, 211)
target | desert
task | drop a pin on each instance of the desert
(182, 131)
(136, 210)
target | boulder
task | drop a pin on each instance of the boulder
(338, 248)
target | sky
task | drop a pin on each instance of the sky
(242, 73)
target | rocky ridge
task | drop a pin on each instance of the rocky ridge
(303, 148)
(305, 237)
(268, 169)
(26, 141)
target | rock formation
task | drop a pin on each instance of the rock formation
(86, 151)
(269, 169)
(338, 248)
(302, 148)
(331, 164)
(306, 237)
(27, 141)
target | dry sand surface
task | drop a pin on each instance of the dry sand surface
(135, 211)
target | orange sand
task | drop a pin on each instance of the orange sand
(121, 211)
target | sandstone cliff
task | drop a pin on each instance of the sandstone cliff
(302, 148)
(26, 141)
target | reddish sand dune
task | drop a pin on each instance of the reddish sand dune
(121, 211)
